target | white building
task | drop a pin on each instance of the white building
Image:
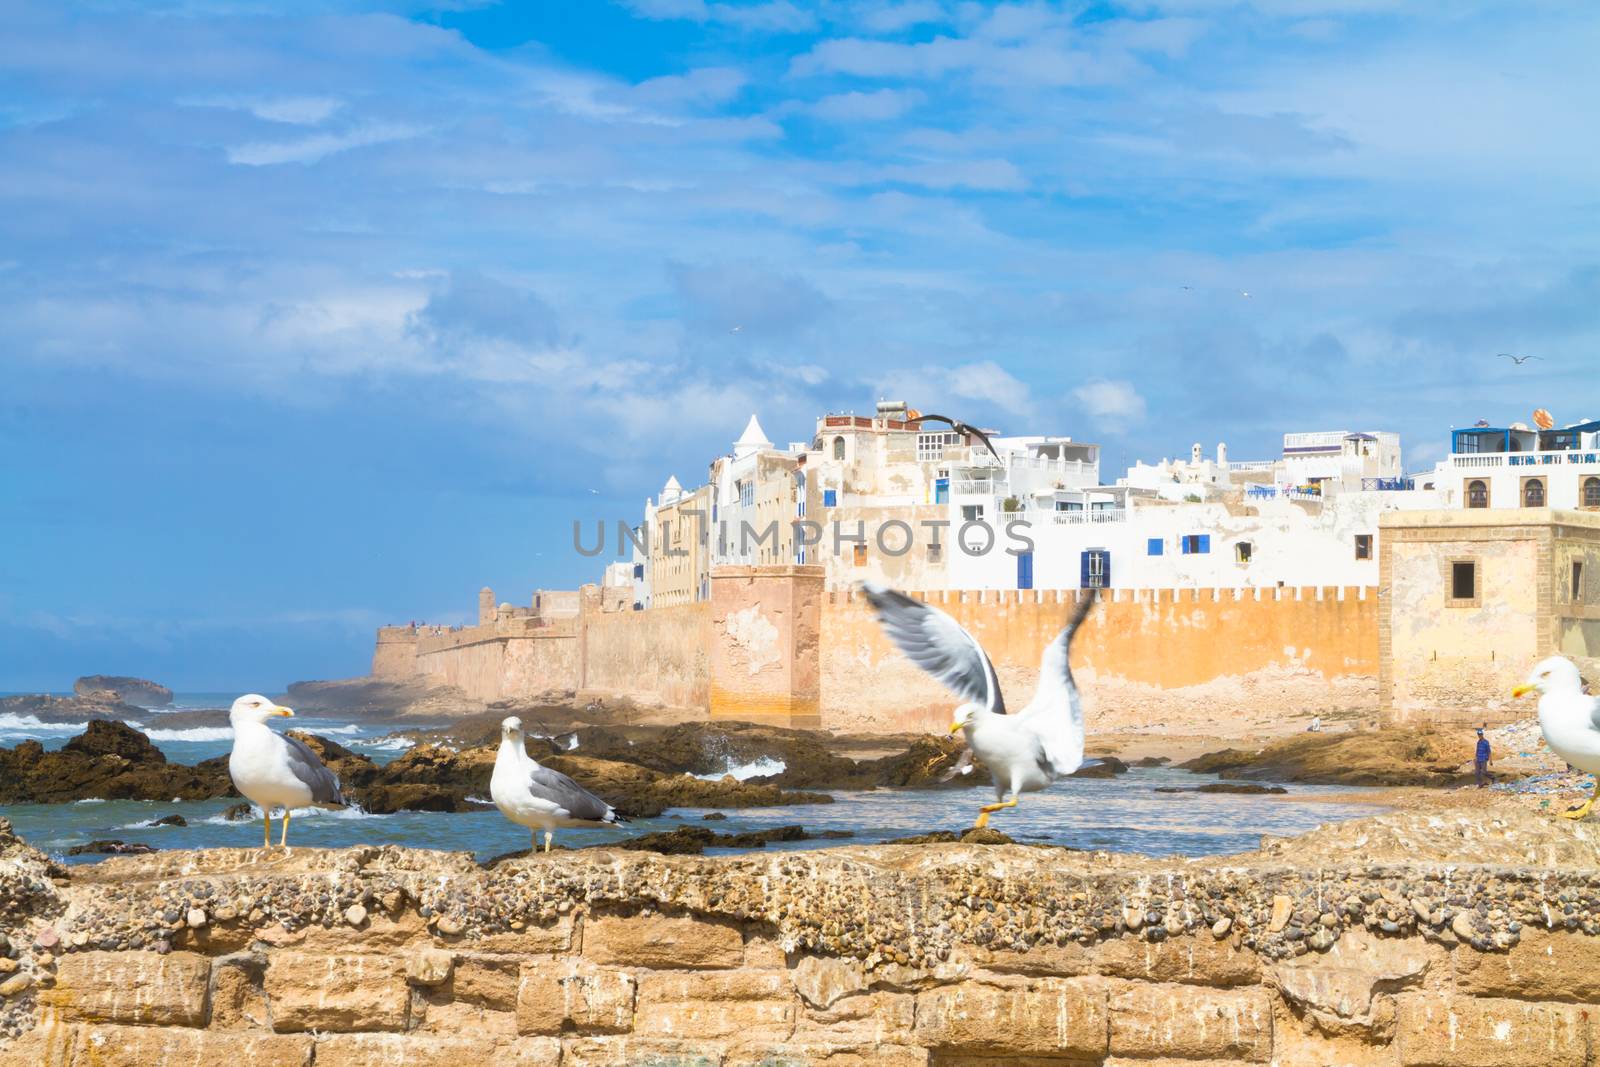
(1510, 467)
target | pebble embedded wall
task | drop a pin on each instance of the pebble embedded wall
(946, 957)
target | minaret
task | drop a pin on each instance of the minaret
(753, 440)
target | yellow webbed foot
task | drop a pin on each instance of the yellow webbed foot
(983, 820)
(1579, 812)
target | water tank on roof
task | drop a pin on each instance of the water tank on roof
(894, 409)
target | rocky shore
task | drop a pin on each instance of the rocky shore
(1450, 936)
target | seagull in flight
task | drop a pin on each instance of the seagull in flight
(1244, 294)
(1518, 360)
(736, 329)
(962, 428)
(1023, 753)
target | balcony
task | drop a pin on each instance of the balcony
(1388, 485)
(1482, 460)
(1090, 517)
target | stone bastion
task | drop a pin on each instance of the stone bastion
(1441, 937)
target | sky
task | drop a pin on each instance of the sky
(322, 316)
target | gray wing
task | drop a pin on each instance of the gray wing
(323, 783)
(937, 643)
(559, 789)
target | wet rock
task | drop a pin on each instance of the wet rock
(169, 820)
(239, 812)
(111, 847)
(713, 815)
(1245, 788)
(985, 835)
(109, 760)
(1390, 756)
(1104, 767)
(694, 840)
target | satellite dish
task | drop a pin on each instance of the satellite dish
(1543, 419)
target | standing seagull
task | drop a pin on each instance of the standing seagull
(274, 771)
(1570, 720)
(1025, 752)
(538, 797)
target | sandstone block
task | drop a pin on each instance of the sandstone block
(131, 987)
(661, 942)
(1065, 1016)
(1337, 999)
(799, 1054)
(1542, 966)
(1437, 1030)
(573, 995)
(237, 1000)
(1048, 961)
(429, 966)
(61, 1045)
(1198, 960)
(754, 1006)
(821, 980)
(640, 1052)
(1191, 1022)
(487, 980)
(416, 1050)
(338, 994)
(866, 1019)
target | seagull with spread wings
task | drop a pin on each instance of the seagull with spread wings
(1518, 360)
(962, 428)
(1023, 752)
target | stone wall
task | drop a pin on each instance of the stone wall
(394, 656)
(1142, 654)
(933, 956)
(660, 656)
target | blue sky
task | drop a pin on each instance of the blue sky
(321, 316)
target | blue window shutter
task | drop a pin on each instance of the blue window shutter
(1155, 546)
(1025, 570)
(1083, 574)
(830, 498)
(1105, 569)
(1205, 543)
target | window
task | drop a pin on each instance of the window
(1463, 580)
(1477, 494)
(830, 498)
(972, 512)
(1155, 547)
(838, 448)
(1241, 552)
(638, 571)
(1363, 546)
(1577, 582)
(931, 446)
(1096, 569)
(747, 493)
(1196, 544)
(1533, 493)
(1591, 492)
(860, 555)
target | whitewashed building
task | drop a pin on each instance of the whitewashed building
(1518, 467)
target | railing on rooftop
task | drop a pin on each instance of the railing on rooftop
(1388, 484)
(1480, 460)
(1253, 465)
(1093, 515)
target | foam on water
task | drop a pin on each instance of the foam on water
(194, 733)
(757, 768)
(27, 726)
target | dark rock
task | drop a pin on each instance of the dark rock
(694, 840)
(1151, 761)
(110, 848)
(1389, 756)
(169, 820)
(985, 835)
(1223, 787)
(127, 690)
(239, 812)
(115, 739)
(713, 815)
(109, 760)
(1104, 767)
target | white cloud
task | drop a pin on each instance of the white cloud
(318, 146)
(774, 16)
(1110, 403)
(880, 105)
(296, 110)
(894, 17)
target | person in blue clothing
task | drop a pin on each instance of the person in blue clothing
(1480, 762)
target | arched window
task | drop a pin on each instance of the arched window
(1591, 492)
(838, 448)
(1533, 493)
(1477, 494)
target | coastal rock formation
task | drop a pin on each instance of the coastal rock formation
(1454, 937)
(124, 690)
(109, 760)
(53, 709)
(1389, 756)
(378, 698)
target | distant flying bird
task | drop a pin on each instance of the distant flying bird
(596, 492)
(538, 797)
(736, 329)
(1023, 752)
(1186, 288)
(1244, 294)
(961, 428)
(274, 771)
(1518, 360)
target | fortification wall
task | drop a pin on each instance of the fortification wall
(1143, 655)
(394, 656)
(660, 656)
(896, 956)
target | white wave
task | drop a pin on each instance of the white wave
(91, 800)
(386, 744)
(479, 800)
(758, 768)
(28, 725)
(572, 742)
(352, 812)
(194, 733)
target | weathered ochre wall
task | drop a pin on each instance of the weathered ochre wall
(764, 641)
(477, 667)
(660, 656)
(1141, 652)
(395, 654)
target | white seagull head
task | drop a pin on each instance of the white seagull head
(511, 728)
(964, 716)
(253, 707)
(1557, 675)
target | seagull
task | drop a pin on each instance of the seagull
(961, 428)
(1518, 360)
(1570, 720)
(1024, 752)
(274, 771)
(736, 329)
(538, 797)
(1244, 294)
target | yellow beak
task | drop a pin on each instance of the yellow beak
(954, 727)
(287, 712)
(1522, 691)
